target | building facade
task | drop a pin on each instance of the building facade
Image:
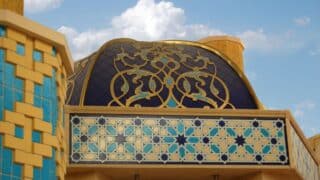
(138, 110)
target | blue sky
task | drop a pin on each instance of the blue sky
(282, 38)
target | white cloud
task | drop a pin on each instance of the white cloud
(147, 20)
(255, 39)
(302, 107)
(35, 6)
(302, 21)
(260, 41)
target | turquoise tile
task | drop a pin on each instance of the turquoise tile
(147, 131)
(18, 84)
(111, 147)
(36, 173)
(130, 148)
(37, 56)
(193, 139)
(92, 130)
(76, 146)
(76, 131)
(190, 148)
(1, 76)
(46, 166)
(17, 170)
(2, 55)
(2, 69)
(172, 131)
(264, 132)
(18, 96)
(172, 103)
(281, 148)
(93, 147)
(247, 132)
(38, 90)
(46, 106)
(2, 31)
(9, 75)
(1, 107)
(215, 148)
(214, 132)
(189, 131)
(249, 149)
(169, 139)
(266, 149)
(8, 99)
(37, 101)
(173, 148)
(18, 131)
(231, 132)
(147, 148)
(129, 130)
(36, 136)
(5, 177)
(182, 152)
(111, 130)
(232, 149)
(20, 49)
(47, 87)
(7, 161)
(180, 127)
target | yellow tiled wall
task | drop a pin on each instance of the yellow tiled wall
(25, 114)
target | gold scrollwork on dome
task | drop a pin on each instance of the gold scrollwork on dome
(166, 76)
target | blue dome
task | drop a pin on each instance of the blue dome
(168, 74)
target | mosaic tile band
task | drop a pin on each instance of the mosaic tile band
(188, 140)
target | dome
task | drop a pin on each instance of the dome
(167, 74)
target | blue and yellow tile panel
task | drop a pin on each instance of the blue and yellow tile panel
(48, 171)
(8, 169)
(11, 90)
(45, 97)
(32, 141)
(176, 140)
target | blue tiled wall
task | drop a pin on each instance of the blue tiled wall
(37, 56)
(11, 90)
(20, 49)
(45, 97)
(48, 171)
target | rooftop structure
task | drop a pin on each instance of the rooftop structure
(138, 110)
